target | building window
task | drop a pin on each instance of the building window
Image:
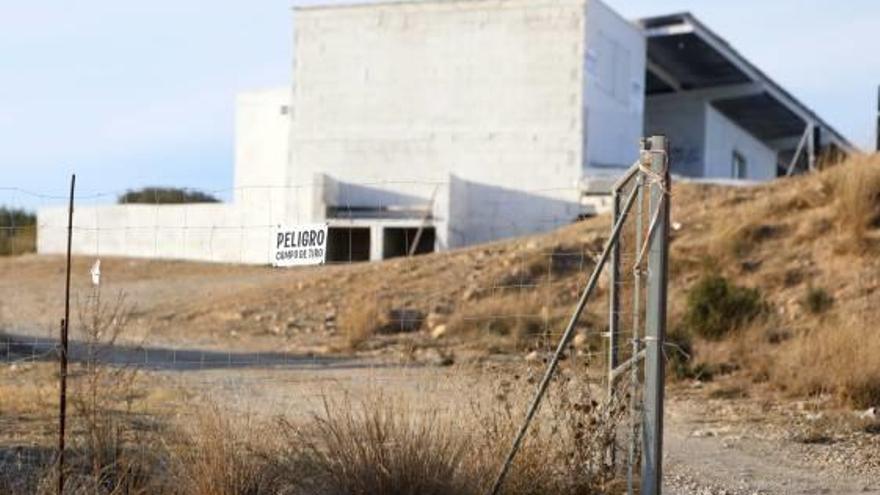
(740, 166)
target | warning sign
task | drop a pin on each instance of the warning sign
(300, 245)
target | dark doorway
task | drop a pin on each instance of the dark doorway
(345, 245)
(398, 241)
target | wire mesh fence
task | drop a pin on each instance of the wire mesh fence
(163, 352)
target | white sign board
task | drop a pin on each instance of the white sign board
(299, 245)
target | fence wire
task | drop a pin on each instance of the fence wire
(159, 344)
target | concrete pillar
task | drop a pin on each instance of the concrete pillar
(377, 242)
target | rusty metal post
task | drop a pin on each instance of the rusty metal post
(65, 324)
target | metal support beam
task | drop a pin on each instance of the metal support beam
(713, 94)
(429, 212)
(878, 119)
(785, 144)
(655, 323)
(811, 148)
(797, 152)
(664, 75)
(671, 30)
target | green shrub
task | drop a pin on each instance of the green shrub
(165, 195)
(715, 307)
(18, 231)
(818, 300)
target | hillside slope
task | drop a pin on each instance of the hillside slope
(808, 245)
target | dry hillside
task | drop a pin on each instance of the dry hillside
(772, 284)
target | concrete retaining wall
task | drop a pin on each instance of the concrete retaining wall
(203, 232)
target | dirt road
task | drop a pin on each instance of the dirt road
(705, 455)
(711, 447)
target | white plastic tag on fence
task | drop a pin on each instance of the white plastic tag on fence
(96, 273)
(299, 245)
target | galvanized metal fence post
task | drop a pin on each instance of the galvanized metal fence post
(636, 326)
(613, 297)
(655, 320)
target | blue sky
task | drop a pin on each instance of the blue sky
(141, 93)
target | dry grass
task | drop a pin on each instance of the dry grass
(28, 389)
(806, 243)
(516, 318)
(362, 320)
(219, 455)
(109, 427)
(380, 446)
(856, 188)
(841, 358)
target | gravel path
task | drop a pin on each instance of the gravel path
(708, 457)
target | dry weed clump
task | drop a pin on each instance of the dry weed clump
(384, 446)
(841, 358)
(219, 455)
(378, 446)
(516, 318)
(817, 300)
(533, 268)
(362, 320)
(567, 449)
(856, 189)
(371, 317)
(109, 429)
(737, 239)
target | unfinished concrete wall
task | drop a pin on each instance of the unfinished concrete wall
(724, 138)
(683, 120)
(400, 96)
(201, 232)
(262, 131)
(703, 140)
(614, 90)
(230, 233)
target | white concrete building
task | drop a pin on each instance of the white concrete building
(462, 121)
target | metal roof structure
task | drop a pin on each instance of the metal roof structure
(684, 56)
